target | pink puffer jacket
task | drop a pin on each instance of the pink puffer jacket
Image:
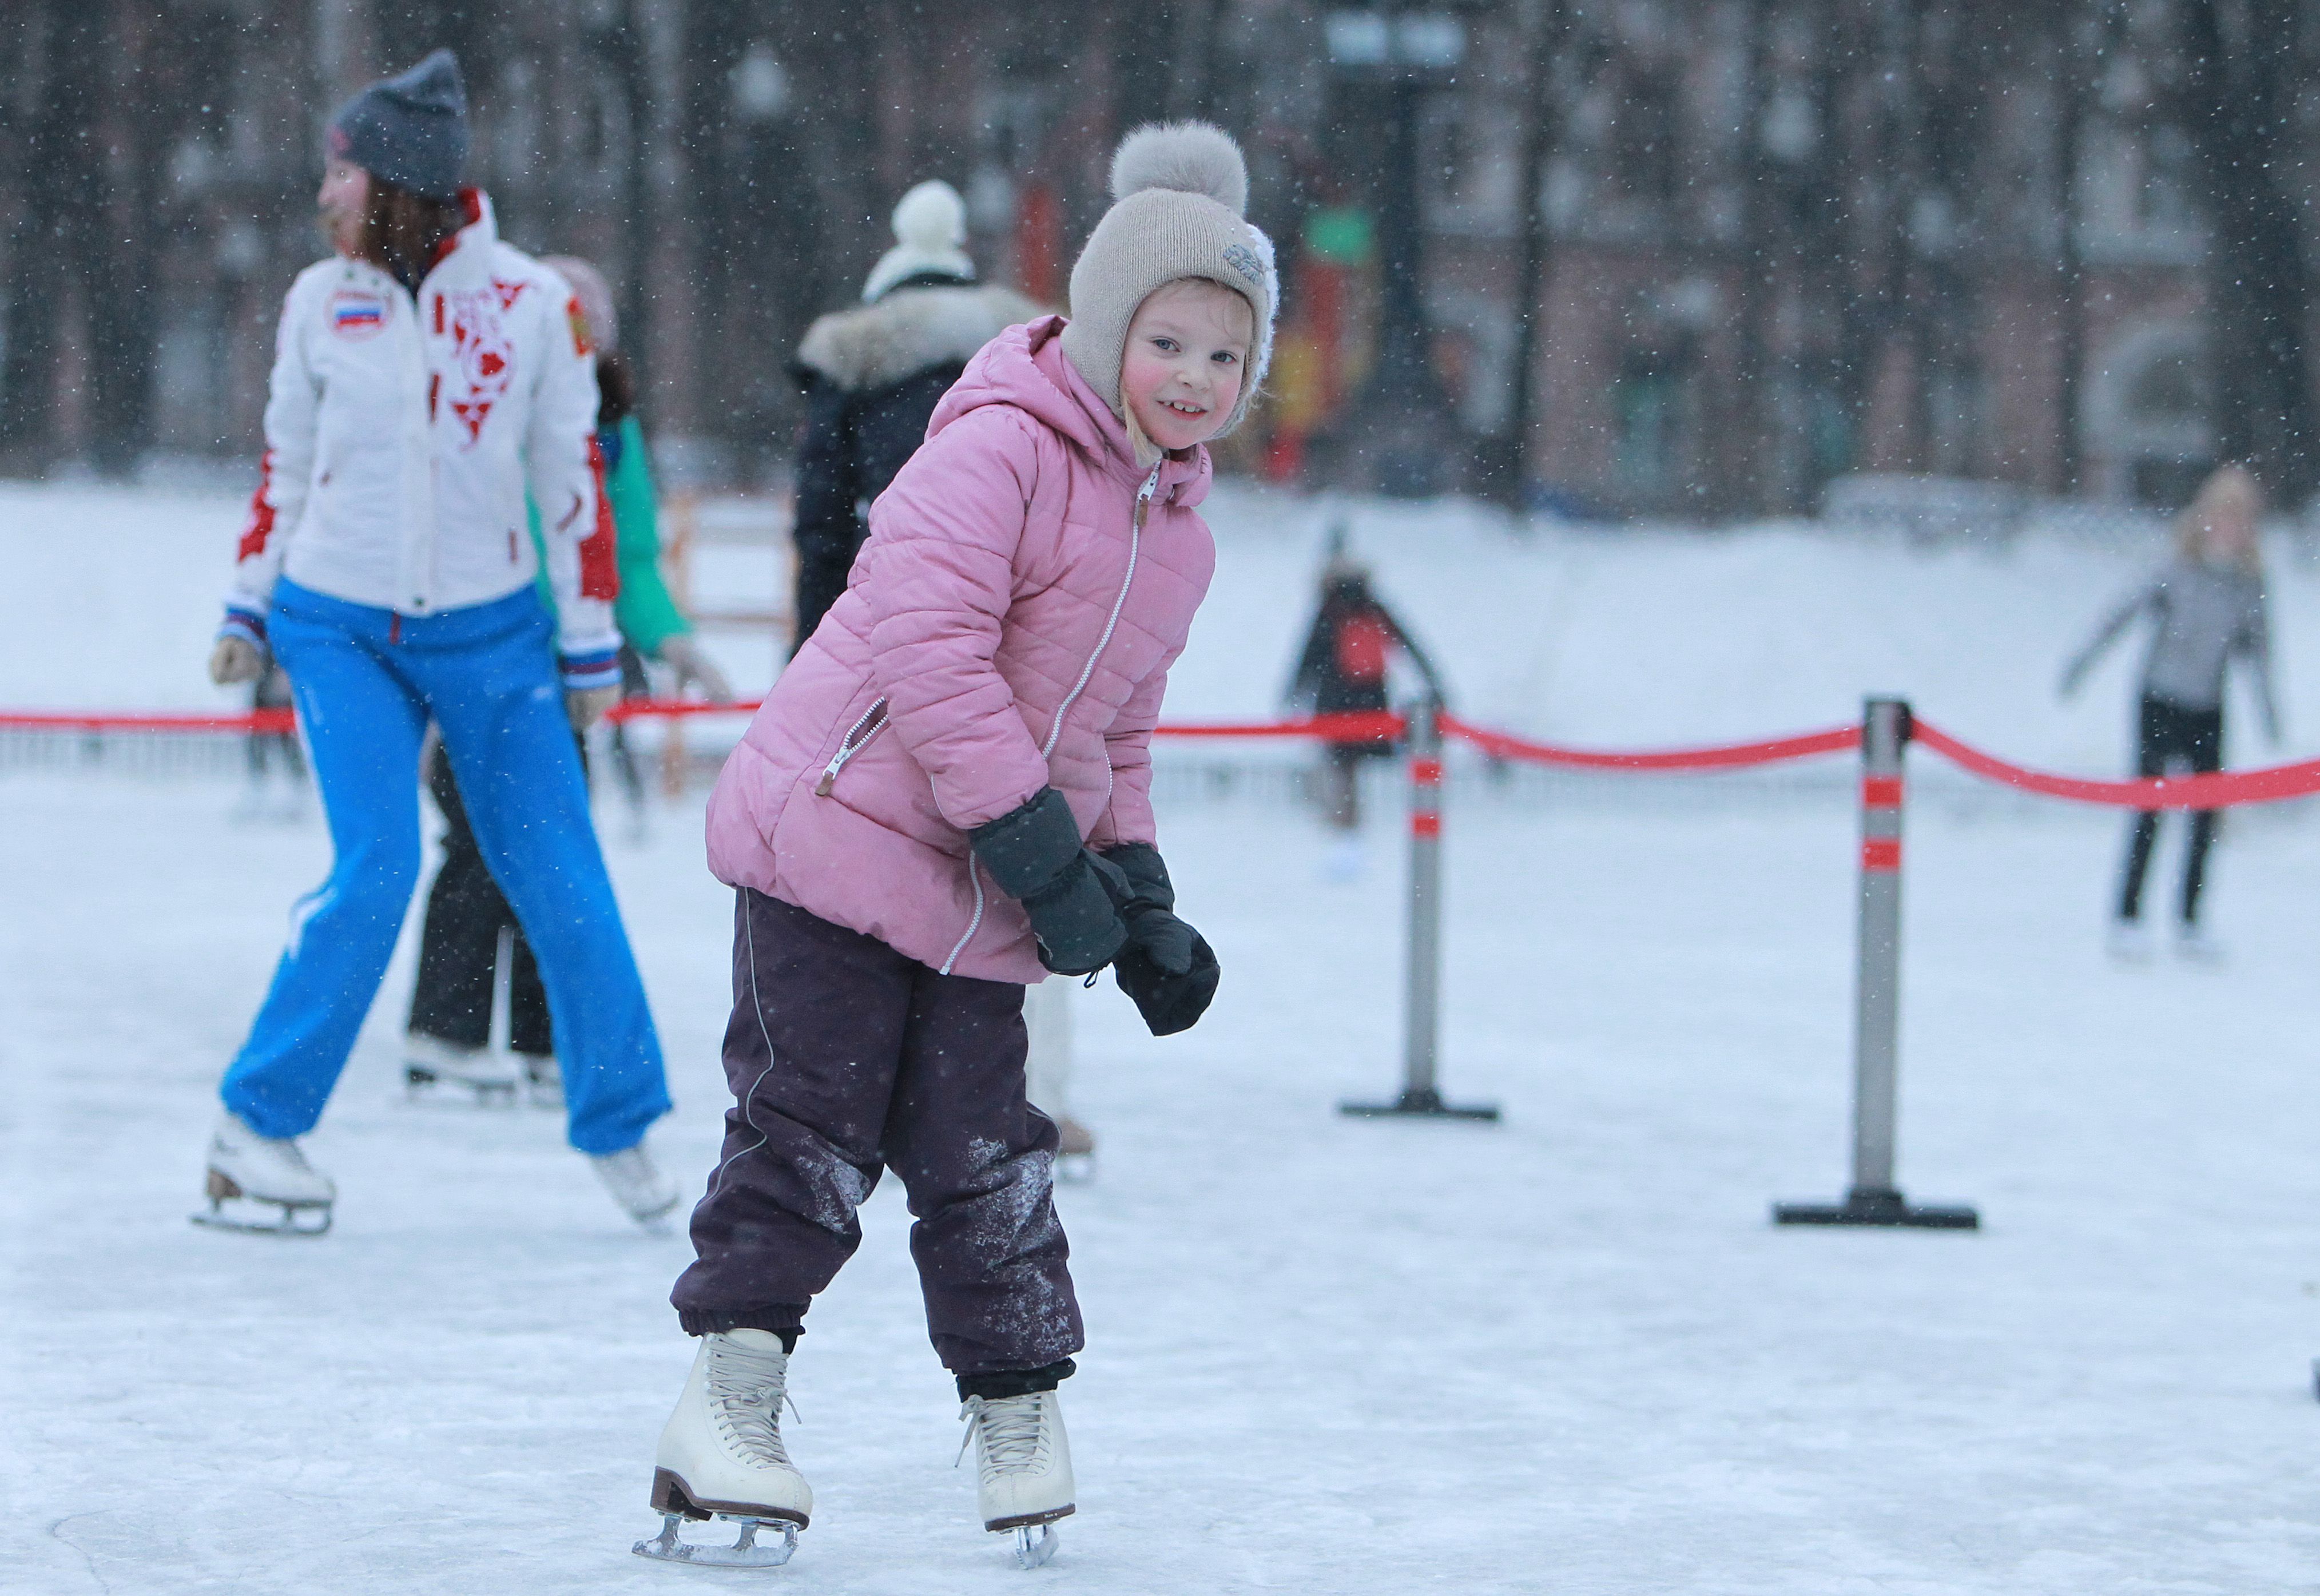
(1009, 626)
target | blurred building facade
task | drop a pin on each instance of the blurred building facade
(1690, 257)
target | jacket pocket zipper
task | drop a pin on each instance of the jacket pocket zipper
(857, 738)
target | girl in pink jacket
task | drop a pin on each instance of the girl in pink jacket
(947, 797)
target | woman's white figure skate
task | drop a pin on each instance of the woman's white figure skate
(721, 1456)
(1025, 1463)
(636, 1184)
(245, 1167)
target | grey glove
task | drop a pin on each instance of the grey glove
(236, 659)
(684, 655)
(586, 705)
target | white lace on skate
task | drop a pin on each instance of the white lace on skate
(1014, 1441)
(746, 1389)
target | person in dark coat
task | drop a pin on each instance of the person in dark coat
(1343, 671)
(871, 377)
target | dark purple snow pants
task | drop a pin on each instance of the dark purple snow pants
(845, 1058)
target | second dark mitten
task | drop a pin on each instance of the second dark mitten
(1168, 968)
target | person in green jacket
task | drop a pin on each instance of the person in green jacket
(470, 927)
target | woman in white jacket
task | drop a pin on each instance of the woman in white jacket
(424, 379)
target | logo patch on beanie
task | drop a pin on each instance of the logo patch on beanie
(1243, 259)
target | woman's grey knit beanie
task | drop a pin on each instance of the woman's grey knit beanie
(1178, 191)
(409, 130)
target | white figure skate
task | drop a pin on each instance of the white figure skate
(721, 1454)
(246, 1167)
(1025, 1463)
(636, 1184)
(429, 1061)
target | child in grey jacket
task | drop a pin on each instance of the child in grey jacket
(2207, 605)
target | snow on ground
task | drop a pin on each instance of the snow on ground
(1567, 1354)
(1626, 638)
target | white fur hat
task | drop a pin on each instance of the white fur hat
(1178, 192)
(929, 226)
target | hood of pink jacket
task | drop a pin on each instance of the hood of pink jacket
(1008, 626)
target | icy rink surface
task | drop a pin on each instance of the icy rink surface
(1566, 1355)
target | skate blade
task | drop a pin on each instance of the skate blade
(287, 1224)
(743, 1552)
(1035, 1543)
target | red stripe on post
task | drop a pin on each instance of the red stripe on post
(1881, 854)
(1426, 773)
(1426, 823)
(1880, 792)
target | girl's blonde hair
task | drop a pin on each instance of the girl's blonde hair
(2231, 485)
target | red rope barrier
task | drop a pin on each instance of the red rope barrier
(2219, 791)
(1348, 728)
(269, 721)
(1360, 726)
(677, 709)
(1728, 756)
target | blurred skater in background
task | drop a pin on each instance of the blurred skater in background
(426, 380)
(470, 940)
(871, 377)
(1343, 671)
(2206, 605)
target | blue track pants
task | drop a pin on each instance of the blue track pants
(366, 682)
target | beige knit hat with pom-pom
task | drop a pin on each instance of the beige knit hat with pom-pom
(1178, 191)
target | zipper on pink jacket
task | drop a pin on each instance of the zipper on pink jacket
(855, 740)
(1087, 672)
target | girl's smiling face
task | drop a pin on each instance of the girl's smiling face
(1186, 357)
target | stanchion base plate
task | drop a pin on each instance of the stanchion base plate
(1877, 1208)
(1421, 1105)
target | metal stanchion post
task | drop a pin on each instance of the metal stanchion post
(1874, 1198)
(1421, 1095)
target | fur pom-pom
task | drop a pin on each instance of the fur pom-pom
(930, 217)
(1192, 157)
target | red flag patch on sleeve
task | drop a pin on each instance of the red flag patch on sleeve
(259, 529)
(600, 558)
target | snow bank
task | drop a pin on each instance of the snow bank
(1619, 638)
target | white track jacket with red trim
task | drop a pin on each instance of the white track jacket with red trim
(402, 432)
